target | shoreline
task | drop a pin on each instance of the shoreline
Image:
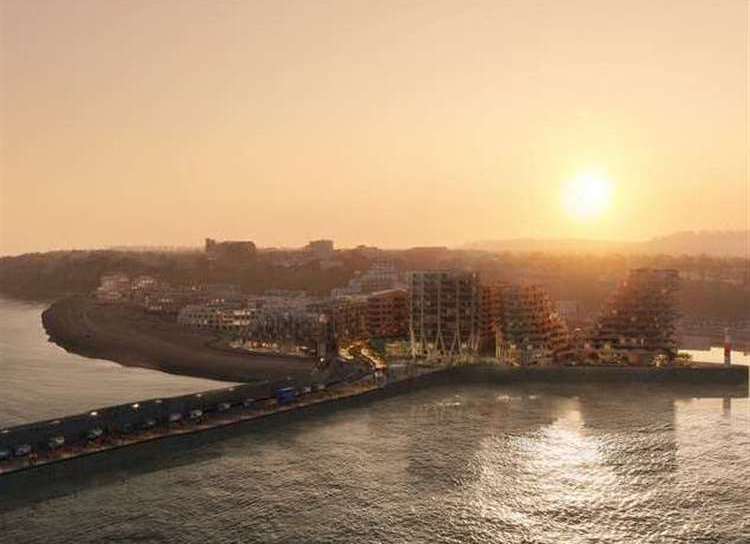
(130, 337)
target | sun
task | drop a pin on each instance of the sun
(588, 196)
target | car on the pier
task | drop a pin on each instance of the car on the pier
(22, 450)
(5, 454)
(56, 442)
(95, 433)
(150, 423)
(195, 414)
(174, 417)
(286, 395)
(248, 403)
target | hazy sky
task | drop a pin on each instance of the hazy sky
(390, 123)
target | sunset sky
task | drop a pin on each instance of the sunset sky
(387, 123)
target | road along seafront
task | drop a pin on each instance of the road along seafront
(27, 447)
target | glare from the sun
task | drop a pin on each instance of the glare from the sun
(588, 196)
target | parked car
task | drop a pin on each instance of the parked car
(286, 395)
(22, 450)
(56, 442)
(96, 432)
(149, 424)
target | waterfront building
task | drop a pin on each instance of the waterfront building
(349, 315)
(529, 330)
(451, 314)
(444, 314)
(491, 317)
(638, 321)
(388, 314)
(291, 332)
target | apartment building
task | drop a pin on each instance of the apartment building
(638, 321)
(444, 313)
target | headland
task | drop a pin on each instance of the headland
(131, 337)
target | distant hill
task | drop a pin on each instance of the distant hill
(713, 243)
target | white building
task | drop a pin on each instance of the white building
(220, 317)
(113, 288)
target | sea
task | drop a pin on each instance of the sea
(450, 464)
(39, 380)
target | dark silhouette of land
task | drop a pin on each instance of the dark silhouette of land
(131, 337)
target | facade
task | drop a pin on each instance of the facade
(217, 316)
(350, 318)
(388, 314)
(638, 322)
(378, 315)
(451, 314)
(293, 332)
(491, 317)
(529, 330)
(569, 310)
(444, 314)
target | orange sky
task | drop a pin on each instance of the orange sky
(389, 123)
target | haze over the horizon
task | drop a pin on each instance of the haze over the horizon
(395, 124)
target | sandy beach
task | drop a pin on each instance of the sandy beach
(131, 337)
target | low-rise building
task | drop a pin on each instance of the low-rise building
(217, 316)
(113, 288)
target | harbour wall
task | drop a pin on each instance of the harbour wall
(712, 381)
(135, 416)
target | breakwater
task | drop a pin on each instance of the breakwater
(114, 427)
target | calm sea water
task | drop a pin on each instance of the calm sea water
(465, 464)
(479, 463)
(39, 380)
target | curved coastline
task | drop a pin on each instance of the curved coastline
(131, 338)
